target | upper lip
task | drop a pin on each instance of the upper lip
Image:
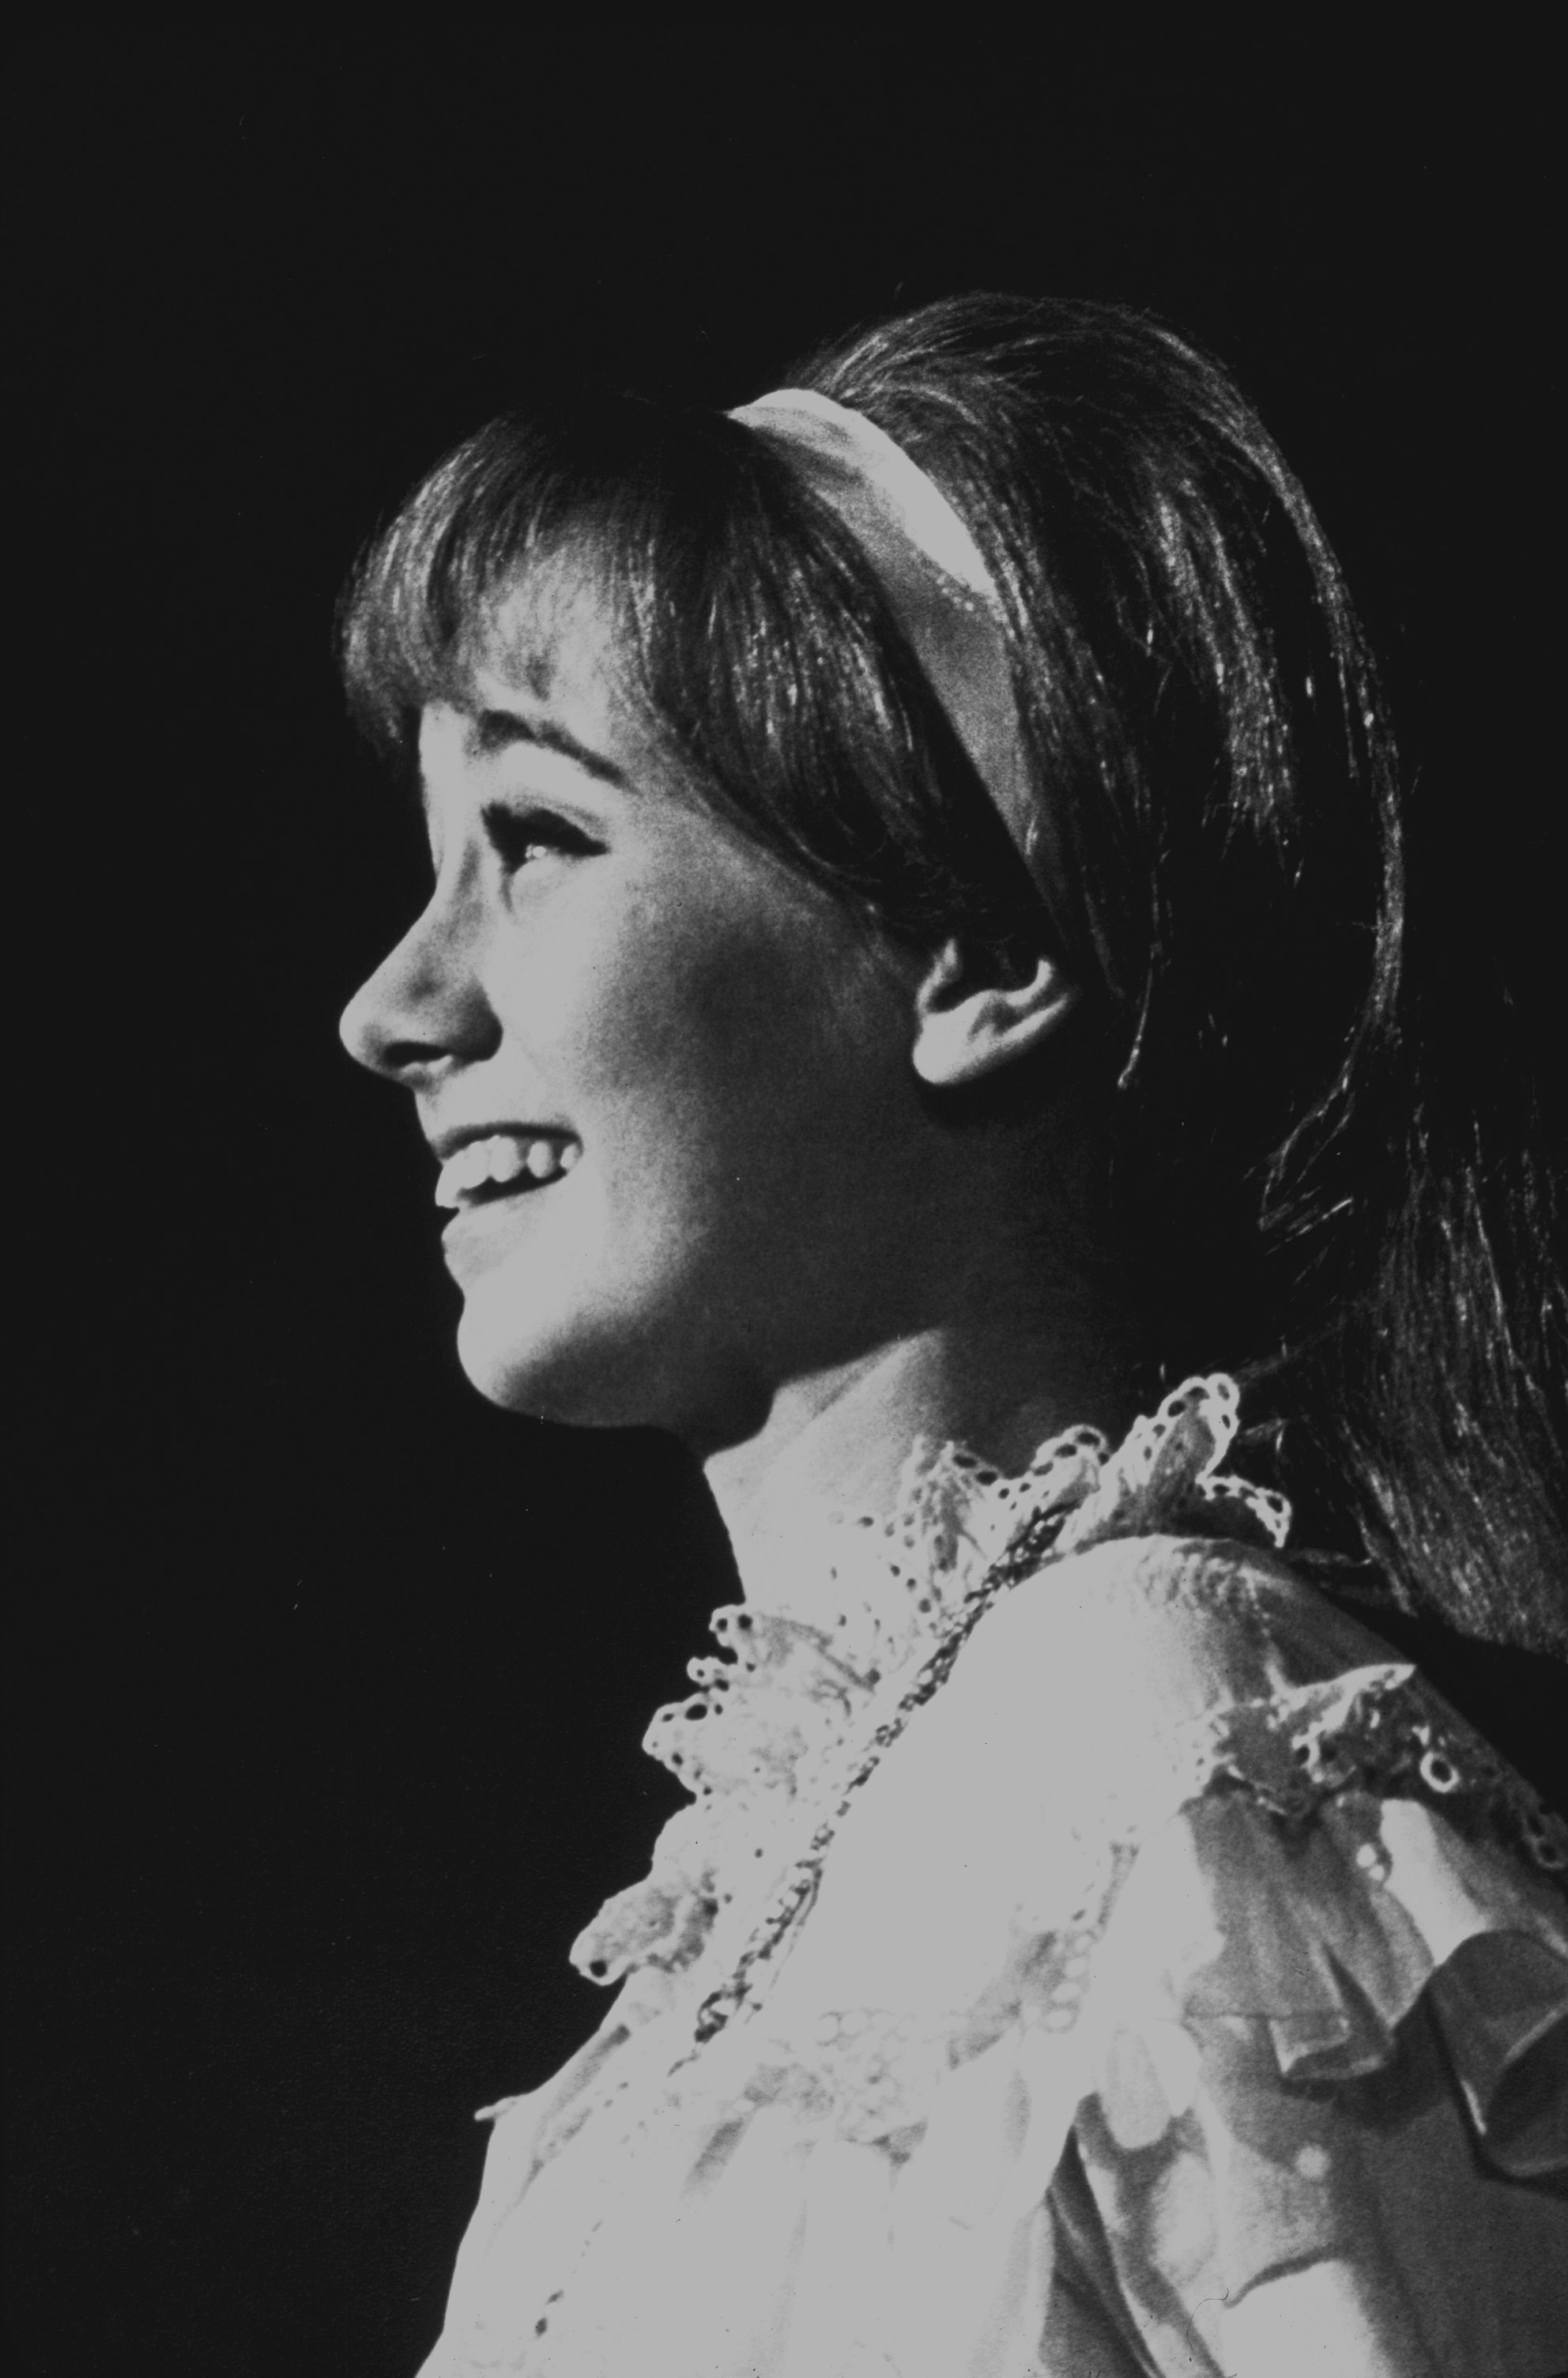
(445, 1144)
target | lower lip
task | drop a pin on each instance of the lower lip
(481, 1220)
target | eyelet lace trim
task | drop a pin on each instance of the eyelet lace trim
(782, 1720)
(1378, 1730)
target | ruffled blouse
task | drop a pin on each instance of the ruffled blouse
(1078, 1924)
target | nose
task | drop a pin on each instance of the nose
(422, 1008)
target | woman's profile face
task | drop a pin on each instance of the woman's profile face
(665, 1078)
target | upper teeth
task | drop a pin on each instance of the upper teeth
(500, 1159)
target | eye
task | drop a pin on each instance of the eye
(521, 837)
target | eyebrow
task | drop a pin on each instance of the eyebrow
(497, 730)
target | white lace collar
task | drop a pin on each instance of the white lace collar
(776, 1719)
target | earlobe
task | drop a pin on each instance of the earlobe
(966, 1027)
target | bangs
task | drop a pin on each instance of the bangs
(749, 635)
(509, 503)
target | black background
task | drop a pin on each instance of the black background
(327, 1680)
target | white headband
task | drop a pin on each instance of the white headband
(932, 573)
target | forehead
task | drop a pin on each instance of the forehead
(541, 668)
(548, 639)
(542, 674)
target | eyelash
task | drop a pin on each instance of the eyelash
(516, 835)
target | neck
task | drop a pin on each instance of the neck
(839, 1439)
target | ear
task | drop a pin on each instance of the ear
(967, 1026)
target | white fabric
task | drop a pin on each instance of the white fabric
(1183, 1939)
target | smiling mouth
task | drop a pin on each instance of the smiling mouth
(504, 1164)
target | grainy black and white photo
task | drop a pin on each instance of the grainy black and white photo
(797, 1585)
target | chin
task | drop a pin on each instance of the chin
(515, 1369)
(577, 1372)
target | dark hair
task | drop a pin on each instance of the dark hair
(1301, 1198)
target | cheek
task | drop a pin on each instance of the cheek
(737, 1084)
(755, 1064)
(701, 1038)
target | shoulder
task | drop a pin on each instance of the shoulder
(1164, 1596)
(1064, 1728)
(1096, 1665)
(1177, 1749)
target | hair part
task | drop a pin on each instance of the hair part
(1302, 1192)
